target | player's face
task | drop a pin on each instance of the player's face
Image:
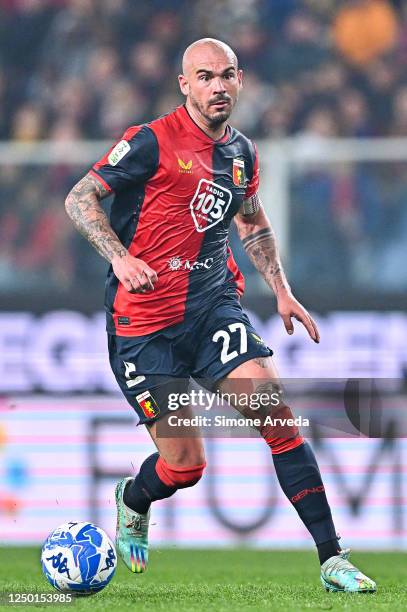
(213, 88)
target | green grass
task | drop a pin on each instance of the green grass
(202, 580)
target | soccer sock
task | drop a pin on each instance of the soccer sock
(299, 476)
(146, 487)
(326, 550)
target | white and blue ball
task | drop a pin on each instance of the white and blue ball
(78, 558)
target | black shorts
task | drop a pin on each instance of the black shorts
(205, 347)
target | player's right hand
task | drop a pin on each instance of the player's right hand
(134, 274)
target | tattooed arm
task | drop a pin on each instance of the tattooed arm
(83, 207)
(260, 243)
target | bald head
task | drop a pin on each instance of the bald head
(207, 50)
(211, 82)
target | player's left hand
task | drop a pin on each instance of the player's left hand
(289, 307)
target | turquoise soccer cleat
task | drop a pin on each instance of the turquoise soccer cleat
(131, 532)
(338, 574)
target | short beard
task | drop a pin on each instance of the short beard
(213, 122)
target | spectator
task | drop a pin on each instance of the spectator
(365, 29)
(28, 124)
(354, 113)
(399, 121)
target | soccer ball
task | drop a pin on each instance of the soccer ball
(78, 558)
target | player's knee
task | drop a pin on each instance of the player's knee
(280, 432)
(186, 451)
(180, 476)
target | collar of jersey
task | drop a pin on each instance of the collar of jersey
(197, 131)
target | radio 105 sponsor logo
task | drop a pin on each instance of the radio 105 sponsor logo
(209, 204)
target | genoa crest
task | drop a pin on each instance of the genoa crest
(239, 177)
(148, 404)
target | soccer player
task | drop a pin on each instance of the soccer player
(172, 295)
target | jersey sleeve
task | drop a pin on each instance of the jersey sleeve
(253, 184)
(133, 159)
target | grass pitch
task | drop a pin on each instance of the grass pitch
(203, 580)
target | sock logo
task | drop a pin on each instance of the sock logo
(304, 492)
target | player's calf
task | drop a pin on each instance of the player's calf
(300, 479)
(159, 480)
(299, 476)
(156, 480)
(179, 477)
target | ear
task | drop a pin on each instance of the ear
(183, 84)
(240, 78)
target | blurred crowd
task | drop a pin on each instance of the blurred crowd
(349, 230)
(86, 69)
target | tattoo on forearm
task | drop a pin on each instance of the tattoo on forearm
(257, 237)
(261, 248)
(83, 207)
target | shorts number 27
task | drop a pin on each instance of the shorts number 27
(222, 334)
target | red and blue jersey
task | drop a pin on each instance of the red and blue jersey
(176, 192)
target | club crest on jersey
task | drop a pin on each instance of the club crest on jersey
(239, 176)
(209, 204)
(148, 404)
(184, 167)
